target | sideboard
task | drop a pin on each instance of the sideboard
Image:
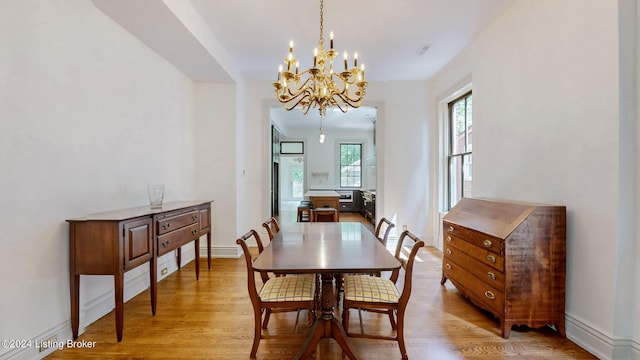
(113, 242)
(508, 258)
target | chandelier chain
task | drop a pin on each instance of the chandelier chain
(323, 85)
(321, 41)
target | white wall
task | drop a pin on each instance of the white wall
(402, 125)
(88, 117)
(548, 128)
(324, 158)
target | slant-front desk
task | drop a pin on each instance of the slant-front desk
(111, 243)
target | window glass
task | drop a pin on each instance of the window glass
(460, 139)
(351, 165)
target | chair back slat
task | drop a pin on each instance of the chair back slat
(387, 229)
(272, 227)
(254, 234)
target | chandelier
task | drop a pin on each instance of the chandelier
(320, 86)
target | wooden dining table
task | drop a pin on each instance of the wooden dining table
(328, 249)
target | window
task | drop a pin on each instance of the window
(460, 146)
(297, 177)
(350, 165)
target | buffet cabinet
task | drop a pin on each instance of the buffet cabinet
(111, 243)
(508, 258)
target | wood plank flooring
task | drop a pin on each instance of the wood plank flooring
(213, 319)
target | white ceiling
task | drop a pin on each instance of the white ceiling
(255, 34)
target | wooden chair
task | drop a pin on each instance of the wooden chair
(389, 225)
(327, 212)
(272, 227)
(381, 295)
(288, 293)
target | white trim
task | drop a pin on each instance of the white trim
(599, 344)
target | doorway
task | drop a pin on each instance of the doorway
(291, 187)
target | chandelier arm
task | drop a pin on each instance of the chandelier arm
(355, 103)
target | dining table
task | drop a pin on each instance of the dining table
(329, 250)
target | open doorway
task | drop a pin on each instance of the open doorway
(292, 185)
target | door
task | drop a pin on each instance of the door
(275, 171)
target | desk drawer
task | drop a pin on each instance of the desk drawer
(174, 222)
(480, 254)
(479, 291)
(177, 238)
(482, 271)
(477, 238)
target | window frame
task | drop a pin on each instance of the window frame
(451, 156)
(340, 165)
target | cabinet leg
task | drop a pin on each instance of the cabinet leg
(75, 304)
(197, 246)
(153, 274)
(506, 328)
(209, 249)
(119, 298)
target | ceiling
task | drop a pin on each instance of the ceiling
(254, 35)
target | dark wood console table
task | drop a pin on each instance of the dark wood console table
(111, 243)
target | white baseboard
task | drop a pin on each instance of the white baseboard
(599, 344)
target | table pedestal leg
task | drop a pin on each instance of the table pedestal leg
(326, 326)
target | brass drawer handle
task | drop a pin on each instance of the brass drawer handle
(490, 295)
(487, 243)
(447, 266)
(166, 226)
(194, 217)
(194, 231)
(491, 258)
(450, 228)
(165, 243)
(491, 275)
(448, 251)
(448, 238)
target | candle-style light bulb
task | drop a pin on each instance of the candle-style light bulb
(362, 71)
(345, 61)
(355, 60)
(315, 56)
(331, 40)
(291, 46)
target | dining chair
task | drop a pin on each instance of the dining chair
(272, 227)
(288, 293)
(265, 277)
(387, 229)
(376, 294)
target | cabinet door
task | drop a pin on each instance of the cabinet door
(137, 242)
(205, 219)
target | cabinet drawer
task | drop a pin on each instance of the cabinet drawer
(483, 272)
(487, 295)
(174, 222)
(486, 257)
(174, 239)
(477, 238)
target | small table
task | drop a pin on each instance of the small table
(327, 249)
(325, 198)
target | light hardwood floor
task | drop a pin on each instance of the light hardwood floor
(212, 319)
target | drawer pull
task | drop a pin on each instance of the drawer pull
(448, 251)
(448, 238)
(450, 228)
(165, 243)
(447, 266)
(194, 217)
(166, 226)
(194, 231)
(487, 243)
(490, 295)
(491, 275)
(491, 258)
